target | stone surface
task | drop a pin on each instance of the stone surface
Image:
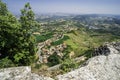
(37, 77)
(98, 68)
(20, 73)
(16, 73)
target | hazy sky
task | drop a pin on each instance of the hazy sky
(67, 6)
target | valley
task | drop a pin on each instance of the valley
(59, 40)
(63, 38)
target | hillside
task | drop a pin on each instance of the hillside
(83, 39)
(101, 67)
(62, 39)
(42, 40)
(98, 68)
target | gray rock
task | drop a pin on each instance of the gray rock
(37, 77)
(16, 73)
(20, 73)
(98, 68)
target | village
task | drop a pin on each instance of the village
(45, 49)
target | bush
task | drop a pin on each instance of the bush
(68, 64)
(5, 62)
(53, 60)
(37, 66)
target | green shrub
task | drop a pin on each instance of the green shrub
(68, 64)
(37, 66)
(53, 60)
(5, 62)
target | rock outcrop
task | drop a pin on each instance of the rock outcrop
(20, 73)
(107, 49)
(102, 67)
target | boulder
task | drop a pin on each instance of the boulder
(20, 73)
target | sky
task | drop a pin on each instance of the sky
(67, 6)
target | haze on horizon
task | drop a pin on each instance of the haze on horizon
(67, 6)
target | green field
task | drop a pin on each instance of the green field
(83, 40)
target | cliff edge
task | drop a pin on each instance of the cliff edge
(105, 65)
(100, 67)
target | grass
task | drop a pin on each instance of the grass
(41, 38)
(60, 41)
(83, 40)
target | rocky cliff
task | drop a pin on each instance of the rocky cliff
(104, 66)
(101, 67)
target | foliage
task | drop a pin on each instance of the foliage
(60, 41)
(27, 18)
(16, 40)
(3, 8)
(37, 66)
(88, 53)
(85, 39)
(28, 22)
(5, 62)
(9, 33)
(66, 52)
(68, 64)
(41, 38)
(53, 59)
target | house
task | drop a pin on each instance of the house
(44, 59)
(72, 54)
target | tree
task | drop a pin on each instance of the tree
(16, 40)
(53, 59)
(68, 65)
(3, 8)
(9, 34)
(27, 20)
